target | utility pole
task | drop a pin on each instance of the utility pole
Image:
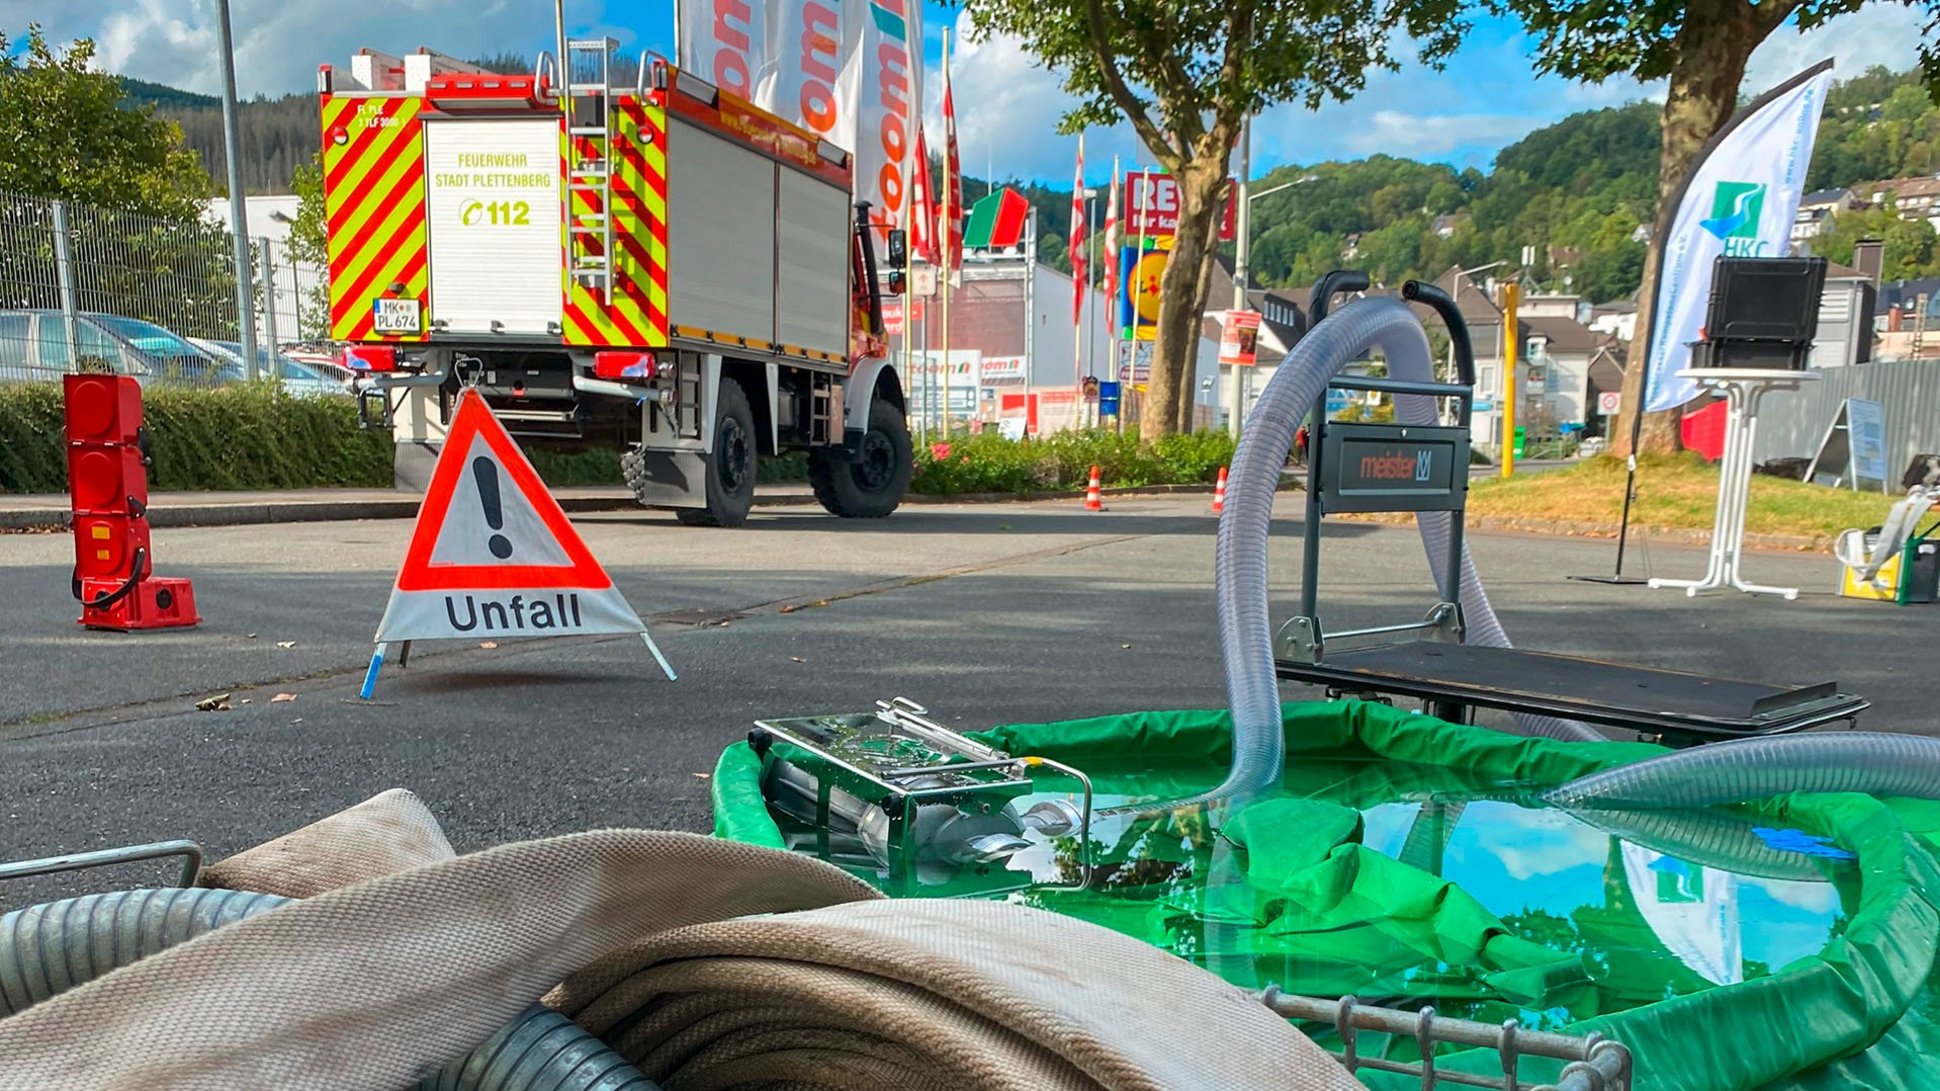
(1030, 309)
(238, 207)
(1242, 249)
(1511, 367)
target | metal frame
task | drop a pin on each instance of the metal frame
(1304, 638)
(189, 851)
(1743, 390)
(1595, 1063)
(900, 802)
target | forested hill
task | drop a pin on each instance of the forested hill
(1573, 194)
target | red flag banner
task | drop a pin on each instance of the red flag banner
(922, 204)
(952, 179)
(1080, 273)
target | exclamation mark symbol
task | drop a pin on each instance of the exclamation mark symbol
(486, 473)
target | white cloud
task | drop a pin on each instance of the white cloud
(280, 44)
(1887, 34)
(1430, 135)
(1008, 108)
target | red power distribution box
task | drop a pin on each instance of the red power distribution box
(107, 473)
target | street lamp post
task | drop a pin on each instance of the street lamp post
(238, 207)
(1242, 253)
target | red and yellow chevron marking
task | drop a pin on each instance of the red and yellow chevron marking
(637, 315)
(373, 199)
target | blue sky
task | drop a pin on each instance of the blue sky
(1486, 96)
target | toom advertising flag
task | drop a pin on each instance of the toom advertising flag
(493, 555)
(851, 71)
(1739, 201)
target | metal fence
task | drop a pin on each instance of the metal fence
(1792, 424)
(88, 288)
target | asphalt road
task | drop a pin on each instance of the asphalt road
(988, 614)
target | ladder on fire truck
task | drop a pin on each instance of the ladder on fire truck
(589, 109)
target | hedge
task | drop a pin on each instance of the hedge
(243, 436)
(989, 463)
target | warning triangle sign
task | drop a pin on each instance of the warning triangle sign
(493, 555)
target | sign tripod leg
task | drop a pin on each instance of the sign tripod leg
(657, 657)
(370, 676)
(403, 655)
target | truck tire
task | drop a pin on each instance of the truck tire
(870, 483)
(731, 467)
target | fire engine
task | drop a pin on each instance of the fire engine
(651, 265)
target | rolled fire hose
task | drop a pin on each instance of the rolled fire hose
(822, 984)
(45, 950)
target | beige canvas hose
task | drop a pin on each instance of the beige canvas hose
(712, 965)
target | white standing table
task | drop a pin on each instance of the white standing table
(1742, 388)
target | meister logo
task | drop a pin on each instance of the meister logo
(1399, 466)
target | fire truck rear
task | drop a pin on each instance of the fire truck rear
(653, 266)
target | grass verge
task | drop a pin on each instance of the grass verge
(1674, 492)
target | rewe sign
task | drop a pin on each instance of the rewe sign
(1152, 208)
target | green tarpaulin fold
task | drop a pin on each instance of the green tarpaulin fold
(1289, 892)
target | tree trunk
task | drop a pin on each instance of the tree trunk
(1189, 390)
(1712, 47)
(1182, 299)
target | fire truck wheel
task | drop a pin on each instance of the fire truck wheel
(870, 483)
(731, 468)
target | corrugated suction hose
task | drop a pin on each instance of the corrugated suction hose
(1873, 762)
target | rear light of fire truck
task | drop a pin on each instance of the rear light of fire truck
(625, 366)
(370, 358)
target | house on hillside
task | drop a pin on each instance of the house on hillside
(1446, 225)
(1916, 198)
(1557, 388)
(1816, 210)
(1617, 319)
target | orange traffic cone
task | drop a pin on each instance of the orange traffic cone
(1219, 492)
(1093, 500)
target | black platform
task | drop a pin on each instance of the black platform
(1681, 708)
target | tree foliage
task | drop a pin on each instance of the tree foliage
(1909, 251)
(67, 136)
(1184, 73)
(1700, 49)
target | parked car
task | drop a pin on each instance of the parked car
(297, 377)
(324, 358)
(34, 345)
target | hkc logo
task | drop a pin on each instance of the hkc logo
(1736, 210)
(1396, 466)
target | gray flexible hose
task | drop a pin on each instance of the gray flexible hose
(48, 949)
(1709, 838)
(1872, 762)
(1245, 631)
